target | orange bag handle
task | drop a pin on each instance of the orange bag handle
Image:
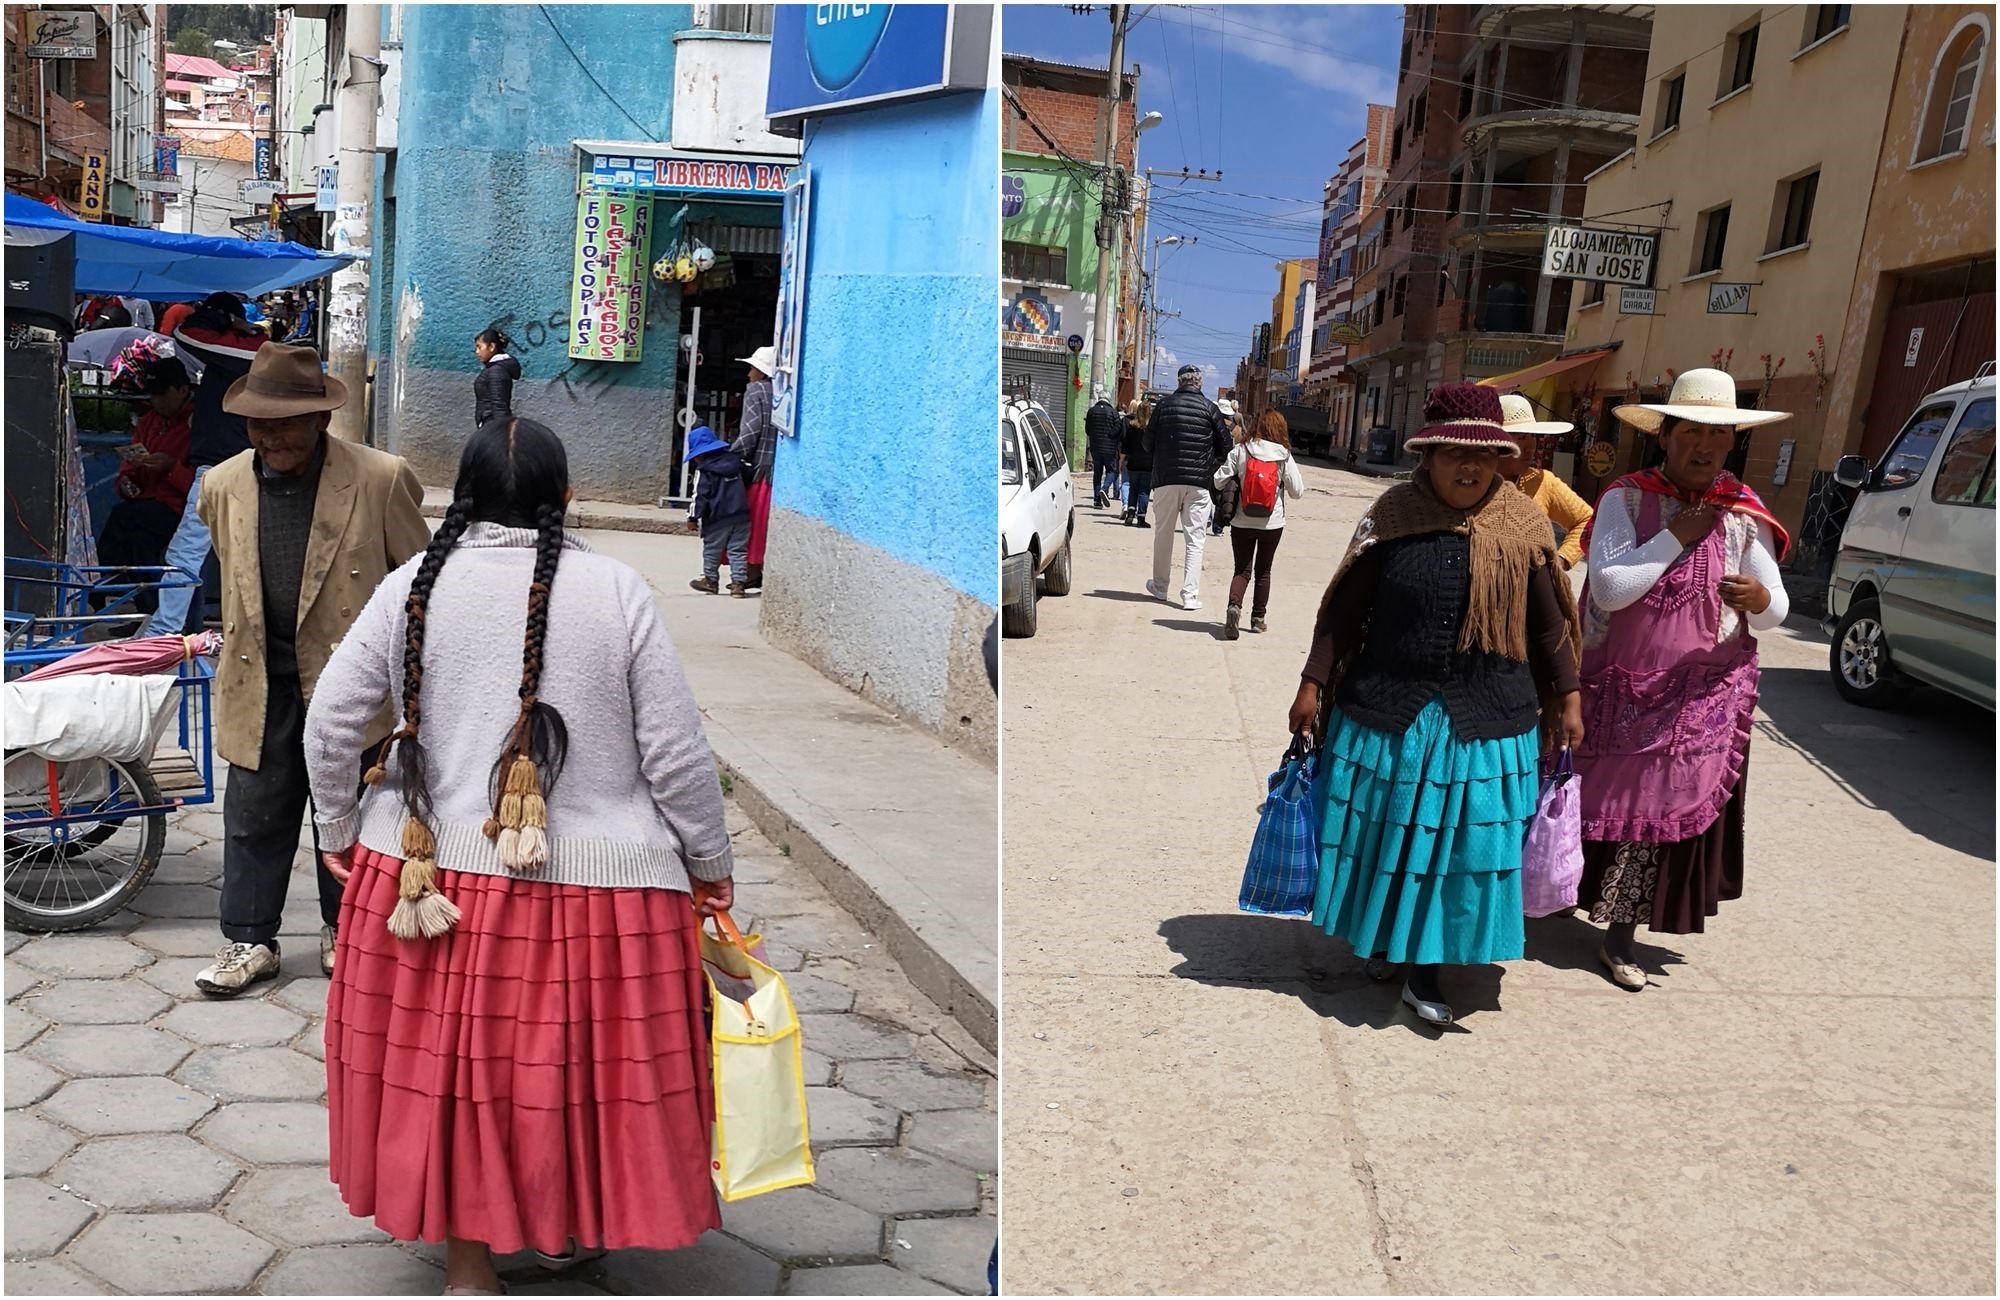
(724, 923)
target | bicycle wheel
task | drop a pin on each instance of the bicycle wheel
(71, 875)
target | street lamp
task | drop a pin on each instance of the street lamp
(1153, 288)
(1147, 123)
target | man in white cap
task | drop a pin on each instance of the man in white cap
(756, 446)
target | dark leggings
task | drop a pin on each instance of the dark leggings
(1254, 548)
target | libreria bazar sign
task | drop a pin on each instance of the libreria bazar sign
(1607, 256)
(693, 175)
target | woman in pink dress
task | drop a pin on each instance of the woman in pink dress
(1683, 573)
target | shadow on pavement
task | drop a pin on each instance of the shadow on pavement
(1928, 764)
(1569, 942)
(1129, 597)
(1191, 625)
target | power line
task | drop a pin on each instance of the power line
(550, 20)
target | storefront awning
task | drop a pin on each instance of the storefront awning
(1568, 361)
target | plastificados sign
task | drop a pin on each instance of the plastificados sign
(608, 306)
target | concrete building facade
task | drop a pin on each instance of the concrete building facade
(61, 111)
(1352, 192)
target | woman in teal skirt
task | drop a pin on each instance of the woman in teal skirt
(1446, 645)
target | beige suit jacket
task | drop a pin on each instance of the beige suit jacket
(367, 520)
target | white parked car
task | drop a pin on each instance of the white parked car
(1037, 514)
(1912, 592)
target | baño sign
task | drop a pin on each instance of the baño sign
(1606, 256)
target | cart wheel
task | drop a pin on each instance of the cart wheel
(93, 862)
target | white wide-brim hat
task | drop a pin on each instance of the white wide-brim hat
(1702, 396)
(1517, 415)
(765, 359)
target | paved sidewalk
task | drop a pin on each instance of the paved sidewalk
(159, 1143)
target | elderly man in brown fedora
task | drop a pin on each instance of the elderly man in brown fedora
(305, 526)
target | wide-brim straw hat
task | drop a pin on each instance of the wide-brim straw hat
(1701, 396)
(284, 381)
(764, 360)
(1463, 415)
(1517, 416)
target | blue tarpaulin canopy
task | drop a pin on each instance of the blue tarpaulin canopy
(161, 265)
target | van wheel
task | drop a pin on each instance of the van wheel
(1017, 617)
(1057, 577)
(1863, 672)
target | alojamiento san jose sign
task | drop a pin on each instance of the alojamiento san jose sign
(1607, 256)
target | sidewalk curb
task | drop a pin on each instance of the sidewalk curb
(884, 908)
(604, 516)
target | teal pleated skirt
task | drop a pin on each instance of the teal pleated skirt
(1420, 840)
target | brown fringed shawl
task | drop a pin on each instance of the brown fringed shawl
(1509, 538)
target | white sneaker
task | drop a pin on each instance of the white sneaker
(1157, 590)
(1191, 604)
(236, 968)
(326, 938)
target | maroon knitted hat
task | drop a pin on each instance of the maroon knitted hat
(1462, 415)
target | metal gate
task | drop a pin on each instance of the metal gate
(1042, 376)
(1957, 339)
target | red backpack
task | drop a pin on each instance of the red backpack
(1260, 485)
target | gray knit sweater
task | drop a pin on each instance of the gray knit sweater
(638, 804)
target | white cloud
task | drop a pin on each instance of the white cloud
(1299, 41)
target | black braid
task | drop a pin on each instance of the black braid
(541, 732)
(416, 786)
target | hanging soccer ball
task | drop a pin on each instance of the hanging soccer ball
(663, 270)
(704, 258)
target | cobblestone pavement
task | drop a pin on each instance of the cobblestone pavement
(160, 1143)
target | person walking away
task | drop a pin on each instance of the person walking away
(153, 478)
(1444, 645)
(493, 386)
(1190, 439)
(1138, 464)
(1683, 574)
(722, 511)
(306, 525)
(1263, 474)
(1104, 429)
(1223, 497)
(516, 1047)
(217, 335)
(756, 445)
(1556, 499)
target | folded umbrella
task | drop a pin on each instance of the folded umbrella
(135, 658)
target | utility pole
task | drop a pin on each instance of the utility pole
(1153, 294)
(359, 99)
(1110, 221)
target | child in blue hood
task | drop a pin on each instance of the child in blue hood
(721, 510)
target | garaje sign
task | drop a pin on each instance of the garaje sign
(1607, 256)
(608, 307)
(700, 175)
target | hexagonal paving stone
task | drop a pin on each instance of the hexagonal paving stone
(812, 993)
(715, 1265)
(33, 1144)
(864, 1279)
(950, 1252)
(255, 1074)
(354, 1271)
(101, 1002)
(889, 1180)
(28, 1081)
(818, 1069)
(234, 1024)
(299, 1206)
(160, 1171)
(95, 1051)
(857, 1038)
(22, 1027)
(965, 1137)
(305, 996)
(802, 1227)
(168, 1254)
(46, 1277)
(187, 868)
(20, 978)
(312, 1043)
(912, 1086)
(269, 1132)
(179, 936)
(108, 1107)
(838, 1118)
(84, 957)
(41, 1219)
(192, 902)
(174, 976)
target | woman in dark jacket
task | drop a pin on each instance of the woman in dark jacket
(493, 386)
(1138, 464)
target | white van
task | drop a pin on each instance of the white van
(1912, 592)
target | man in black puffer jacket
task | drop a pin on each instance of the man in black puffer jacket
(1190, 438)
(1104, 427)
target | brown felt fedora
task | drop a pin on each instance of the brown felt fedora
(283, 382)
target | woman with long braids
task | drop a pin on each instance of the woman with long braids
(515, 1045)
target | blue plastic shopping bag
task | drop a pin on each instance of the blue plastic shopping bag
(1283, 871)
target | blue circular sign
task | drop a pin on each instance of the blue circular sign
(840, 39)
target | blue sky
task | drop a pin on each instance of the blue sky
(1270, 95)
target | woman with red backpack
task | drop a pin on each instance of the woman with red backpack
(1261, 470)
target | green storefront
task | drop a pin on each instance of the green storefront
(1048, 285)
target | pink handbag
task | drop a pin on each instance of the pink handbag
(1552, 857)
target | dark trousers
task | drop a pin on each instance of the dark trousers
(1103, 476)
(137, 533)
(1254, 549)
(261, 812)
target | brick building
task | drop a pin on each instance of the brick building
(61, 110)
(1349, 195)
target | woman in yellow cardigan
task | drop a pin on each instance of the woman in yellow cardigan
(1565, 509)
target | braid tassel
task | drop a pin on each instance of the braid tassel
(522, 838)
(421, 911)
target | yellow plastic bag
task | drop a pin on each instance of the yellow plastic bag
(760, 1140)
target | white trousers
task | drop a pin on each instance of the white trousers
(1192, 508)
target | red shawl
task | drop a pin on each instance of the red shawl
(1727, 493)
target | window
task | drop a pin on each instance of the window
(1739, 64)
(1409, 207)
(1965, 475)
(1906, 460)
(1452, 188)
(1593, 293)
(1047, 445)
(1794, 210)
(754, 20)
(1032, 264)
(1010, 454)
(1380, 303)
(1714, 238)
(1419, 113)
(1671, 91)
(1823, 21)
(1954, 88)
(1402, 295)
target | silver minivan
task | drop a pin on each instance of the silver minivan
(1912, 592)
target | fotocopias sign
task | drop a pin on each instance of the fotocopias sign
(608, 307)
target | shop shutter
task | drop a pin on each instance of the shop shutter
(741, 241)
(1043, 375)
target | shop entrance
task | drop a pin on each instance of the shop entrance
(739, 307)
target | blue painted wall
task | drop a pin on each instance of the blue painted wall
(899, 375)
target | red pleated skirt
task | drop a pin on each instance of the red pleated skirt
(539, 1074)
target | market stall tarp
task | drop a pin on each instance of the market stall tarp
(161, 265)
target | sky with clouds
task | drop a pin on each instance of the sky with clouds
(1272, 96)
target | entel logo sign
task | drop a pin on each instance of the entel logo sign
(841, 39)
